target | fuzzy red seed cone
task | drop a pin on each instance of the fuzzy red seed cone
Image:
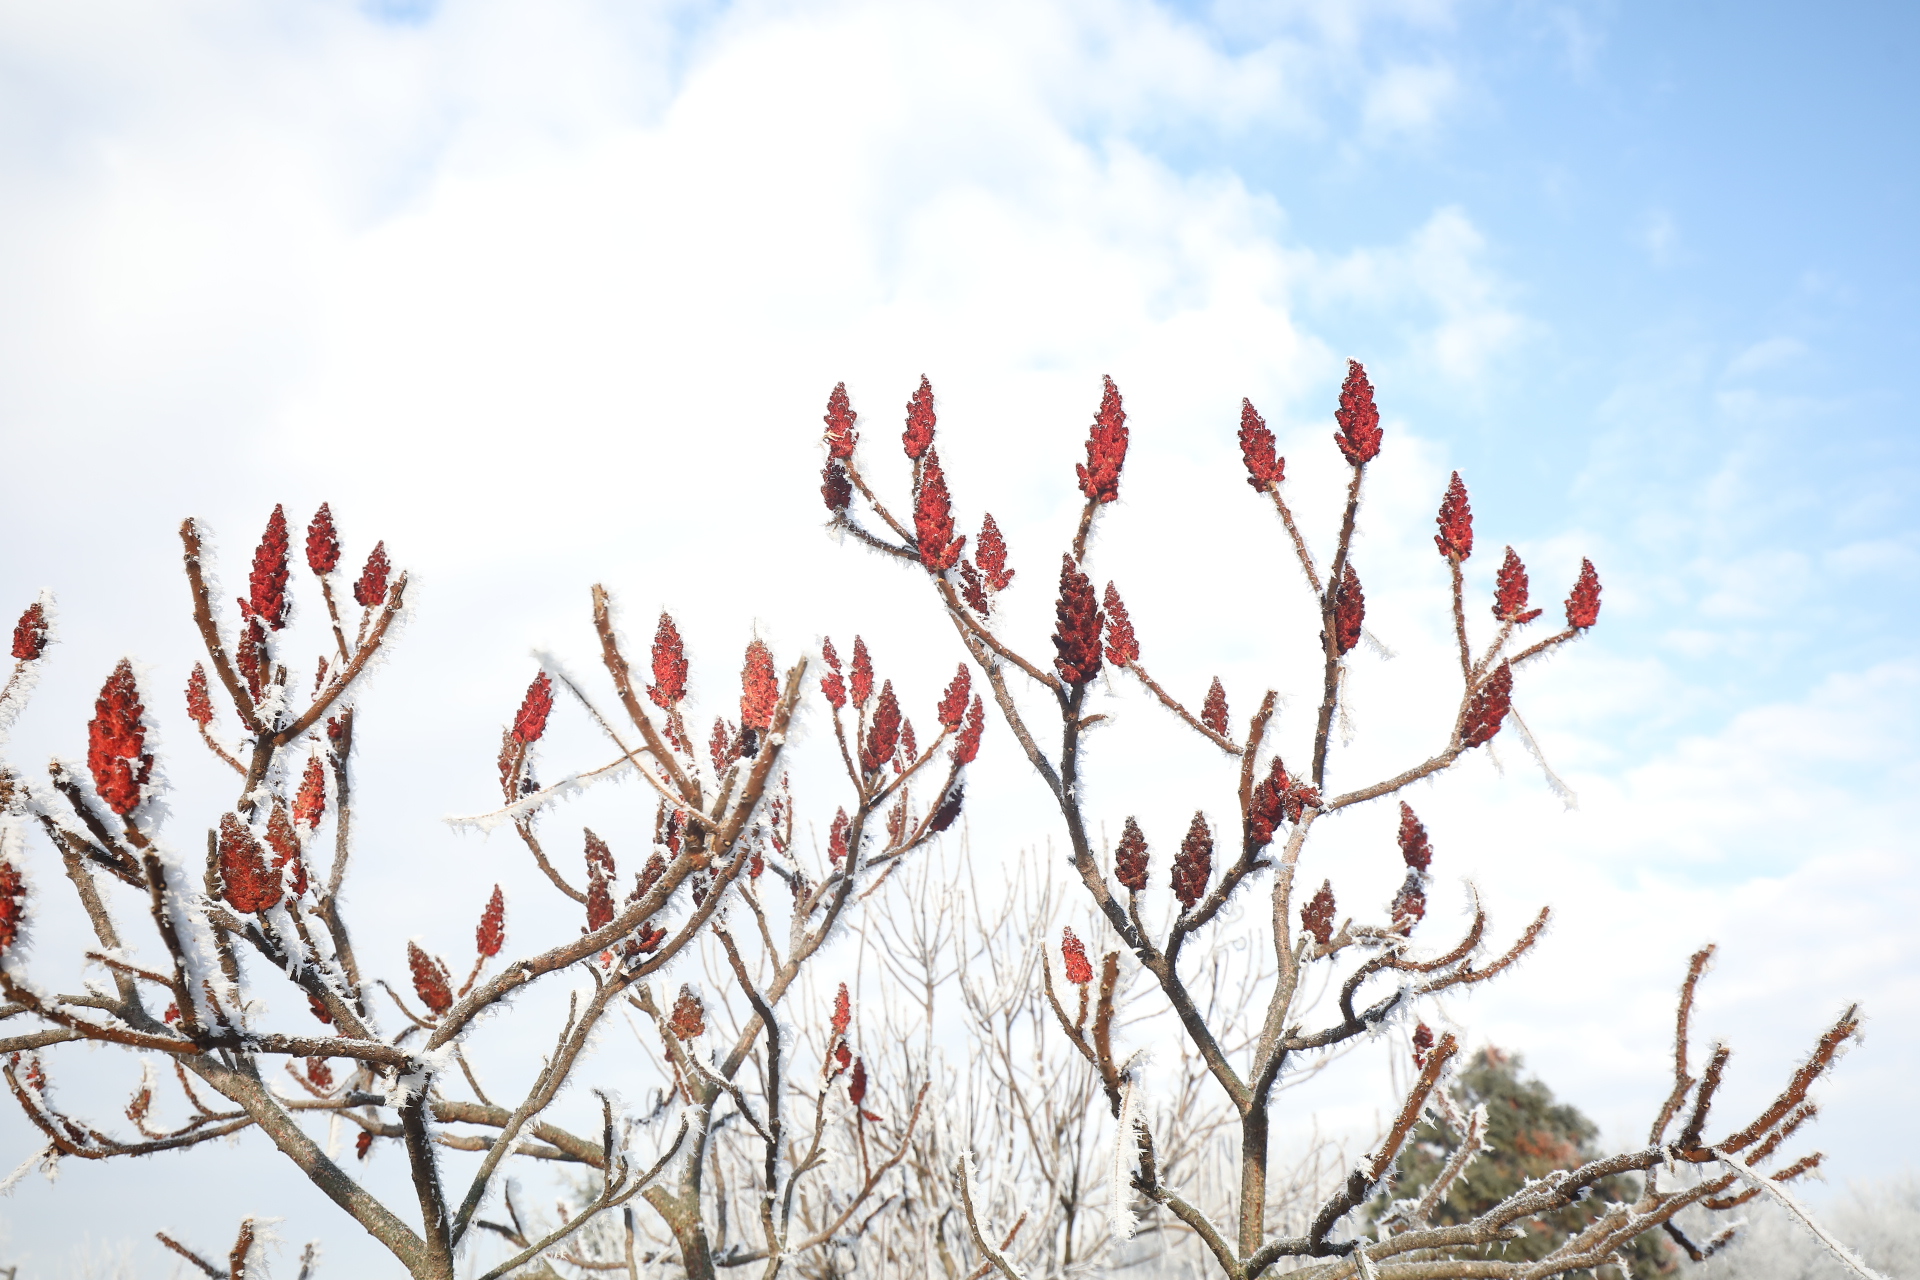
(840, 437)
(323, 543)
(314, 1006)
(13, 905)
(857, 1083)
(842, 1011)
(371, 587)
(1193, 865)
(1317, 916)
(1510, 591)
(1359, 419)
(363, 1145)
(689, 1018)
(431, 981)
(860, 687)
(1130, 858)
(837, 837)
(1349, 611)
(1269, 807)
(199, 697)
(1455, 520)
(909, 749)
(491, 934)
(918, 437)
(759, 689)
(933, 518)
(245, 879)
(250, 655)
(530, 722)
(973, 589)
(1415, 849)
(117, 743)
(1488, 708)
(967, 748)
(669, 664)
(1122, 645)
(1422, 1044)
(836, 487)
(30, 634)
(1078, 624)
(883, 735)
(1106, 448)
(991, 554)
(1583, 603)
(953, 703)
(722, 745)
(310, 801)
(267, 596)
(599, 900)
(285, 843)
(1213, 713)
(1265, 468)
(1074, 952)
(1409, 905)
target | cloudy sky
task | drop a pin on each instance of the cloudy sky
(553, 294)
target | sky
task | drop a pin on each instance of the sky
(553, 295)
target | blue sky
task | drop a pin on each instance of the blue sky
(522, 289)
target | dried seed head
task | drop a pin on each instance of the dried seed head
(953, 704)
(967, 748)
(723, 745)
(840, 437)
(861, 685)
(117, 752)
(323, 543)
(363, 1145)
(310, 802)
(431, 981)
(837, 838)
(1414, 847)
(250, 656)
(13, 904)
(1078, 623)
(883, 735)
(285, 842)
(648, 877)
(843, 1056)
(199, 698)
(30, 634)
(689, 1020)
(1510, 591)
(1488, 707)
(320, 1073)
(1583, 603)
(599, 883)
(530, 722)
(842, 1012)
(245, 880)
(933, 518)
(1455, 538)
(1122, 645)
(857, 1083)
(492, 932)
(267, 597)
(1214, 713)
(1269, 807)
(1422, 1044)
(973, 589)
(1193, 865)
(1074, 952)
(1409, 905)
(1349, 610)
(759, 690)
(371, 589)
(918, 437)
(314, 1004)
(1317, 916)
(836, 487)
(833, 684)
(1359, 419)
(1130, 858)
(669, 665)
(1264, 468)
(1106, 448)
(991, 552)
(949, 811)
